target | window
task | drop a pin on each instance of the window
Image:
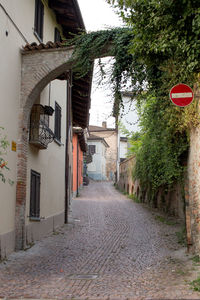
(39, 19)
(92, 149)
(57, 125)
(40, 134)
(35, 195)
(57, 36)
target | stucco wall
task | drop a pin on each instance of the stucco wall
(49, 162)
(110, 137)
(97, 168)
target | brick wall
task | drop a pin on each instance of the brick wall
(171, 201)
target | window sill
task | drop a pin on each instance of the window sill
(58, 142)
(35, 219)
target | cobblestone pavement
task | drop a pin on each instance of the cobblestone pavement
(113, 248)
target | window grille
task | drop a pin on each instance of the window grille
(40, 133)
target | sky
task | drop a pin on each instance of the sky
(97, 15)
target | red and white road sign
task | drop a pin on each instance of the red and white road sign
(181, 94)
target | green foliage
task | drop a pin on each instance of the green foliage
(134, 198)
(112, 42)
(166, 37)
(164, 220)
(159, 149)
(158, 48)
(196, 259)
(196, 284)
(181, 236)
(3, 151)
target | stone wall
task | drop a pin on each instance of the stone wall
(170, 201)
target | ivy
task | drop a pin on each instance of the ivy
(158, 48)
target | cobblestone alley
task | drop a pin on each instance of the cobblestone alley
(112, 248)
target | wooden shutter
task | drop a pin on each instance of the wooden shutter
(57, 128)
(35, 195)
(92, 149)
(39, 18)
(57, 37)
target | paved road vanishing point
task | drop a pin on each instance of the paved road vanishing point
(112, 248)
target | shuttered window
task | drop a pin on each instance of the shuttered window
(57, 127)
(92, 149)
(39, 18)
(35, 195)
(57, 37)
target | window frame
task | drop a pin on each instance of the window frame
(90, 147)
(57, 35)
(34, 211)
(39, 20)
(57, 122)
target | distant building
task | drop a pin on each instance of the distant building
(98, 148)
(110, 136)
(79, 148)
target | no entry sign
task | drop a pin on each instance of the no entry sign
(181, 94)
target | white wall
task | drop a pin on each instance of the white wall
(49, 162)
(97, 168)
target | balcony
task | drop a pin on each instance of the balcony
(40, 133)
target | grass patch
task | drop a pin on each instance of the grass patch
(180, 272)
(164, 220)
(181, 236)
(196, 284)
(134, 198)
(196, 259)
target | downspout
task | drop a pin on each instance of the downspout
(77, 166)
(68, 98)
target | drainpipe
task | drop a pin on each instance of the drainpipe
(77, 166)
(68, 99)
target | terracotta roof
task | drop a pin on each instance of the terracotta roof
(93, 137)
(99, 128)
(41, 46)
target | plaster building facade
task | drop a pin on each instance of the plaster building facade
(40, 106)
(110, 135)
(79, 149)
(98, 149)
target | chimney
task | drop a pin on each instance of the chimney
(104, 124)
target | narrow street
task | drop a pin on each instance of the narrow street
(112, 248)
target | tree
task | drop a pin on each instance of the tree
(158, 48)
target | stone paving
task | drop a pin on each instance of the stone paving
(112, 248)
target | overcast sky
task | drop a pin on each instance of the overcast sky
(97, 14)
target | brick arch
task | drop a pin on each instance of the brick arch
(39, 67)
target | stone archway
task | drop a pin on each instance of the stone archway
(39, 67)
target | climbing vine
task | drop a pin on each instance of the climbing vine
(158, 48)
(3, 163)
(3, 146)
